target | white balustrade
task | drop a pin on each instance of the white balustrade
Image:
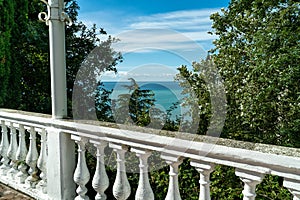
(31, 160)
(173, 188)
(42, 162)
(56, 160)
(81, 174)
(250, 179)
(293, 186)
(12, 151)
(100, 180)
(121, 187)
(204, 169)
(21, 156)
(144, 190)
(4, 148)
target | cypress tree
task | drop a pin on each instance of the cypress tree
(6, 24)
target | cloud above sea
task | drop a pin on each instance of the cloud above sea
(192, 24)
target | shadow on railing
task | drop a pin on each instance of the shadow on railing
(38, 158)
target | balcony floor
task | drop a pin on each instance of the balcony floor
(7, 193)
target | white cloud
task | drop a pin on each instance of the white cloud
(153, 40)
(148, 72)
(182, 33)
(178, 20)
(192, 23)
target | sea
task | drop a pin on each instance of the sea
(166, 93)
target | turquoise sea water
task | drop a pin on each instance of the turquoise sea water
(166, 93)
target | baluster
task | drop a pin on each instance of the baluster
(81, 174)
(293, 186)
(121, 187)
(144, 190)
(204, 169)
(42, 162)
(12, 151)
(100, 180)
(31, 160)
(4, 148)
(21, 156)
(173, 189)
(250, 179)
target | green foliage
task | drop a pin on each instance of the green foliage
(225, 184)
(25, 59)
(6, 24)
(257, 54)
(204, 97)
(103, 104)
(135, 107)
(83, 77)
(272, 188)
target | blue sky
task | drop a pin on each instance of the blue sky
(155, 36)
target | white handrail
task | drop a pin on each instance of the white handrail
(252, 161)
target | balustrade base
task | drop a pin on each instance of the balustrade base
(32, 192)
(42, 186)
(3, 170)
(20, 178)
(31, 182)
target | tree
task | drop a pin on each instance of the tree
(6, 24)
(258, 54)
(204, 96)
(84, 88)
(24, 52)
(137, 107)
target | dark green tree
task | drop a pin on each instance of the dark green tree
(6, 29)
(103, 103)
(257, 53)
(25, 54)
(137, 107)
(204, 98)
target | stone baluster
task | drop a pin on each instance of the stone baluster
(121, 187)
(4, 148)
(21, 156)
(250, 179)
(173, 189)
(100, 180)
(12, 152)
(144, 190)
(204, 169)
(42, 162)
(293, 186)
(31, 160)
(81, 174)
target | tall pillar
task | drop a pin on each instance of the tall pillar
(56, 19)
(61, 156)
(57, 59)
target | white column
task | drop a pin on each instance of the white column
(4, 148)
(57, 59)
(31, 160)
(293, 186)
(42, 162)
(12, 151)
(173, 189)
(121, 187)
(144, 190)
(81, 174)
(100, 180)
(21, 156)
(250, 179)
(204, 169)
(60, 165)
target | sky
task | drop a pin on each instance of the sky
(155, 36)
